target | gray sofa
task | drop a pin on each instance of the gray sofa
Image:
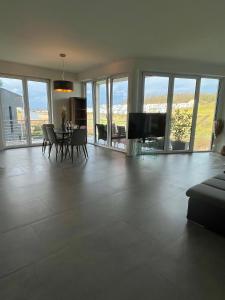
(207, 203)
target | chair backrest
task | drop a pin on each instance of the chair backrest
(114, 131)
(79, 137)
(102, 131)
(44, 130)
(121, 131)
(51, 134)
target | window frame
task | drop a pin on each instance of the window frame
(24, 80)
(170, 94)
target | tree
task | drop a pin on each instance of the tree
(181, 124)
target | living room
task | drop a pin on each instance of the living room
(127, 215)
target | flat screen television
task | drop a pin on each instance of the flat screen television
(146, 125)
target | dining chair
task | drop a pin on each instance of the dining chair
(78, 139)
(45, 136)
(54, 140)
(121, 131)
(102, 132)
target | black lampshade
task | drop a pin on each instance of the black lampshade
(63, 86)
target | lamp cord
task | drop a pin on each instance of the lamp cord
(63, 65)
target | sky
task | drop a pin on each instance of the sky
(155, 86)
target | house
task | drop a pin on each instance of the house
(105, 216)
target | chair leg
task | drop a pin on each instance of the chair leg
(43, 145)
(67, 150)
(56, 152)
(77, 151)
(72, 152)
(84, 151)
(85, 147)
(49, 150)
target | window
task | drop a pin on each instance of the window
(13, 113)
(206, 113)
(119, 112)
(90, 112)
(190, 111)
(101, 111)
(155, 101)
(38, 108)
(182, 113)
(23, 114)
(155, 94)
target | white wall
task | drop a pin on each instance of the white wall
(58, 99)
(134, 69)
(61, 100)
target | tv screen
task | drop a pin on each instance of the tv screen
(146, 125)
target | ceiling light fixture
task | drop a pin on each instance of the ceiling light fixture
(63, 86)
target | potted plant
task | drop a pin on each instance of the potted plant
(181, 128)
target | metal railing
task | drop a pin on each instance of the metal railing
(15, 132)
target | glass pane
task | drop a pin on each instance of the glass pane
(12, 110)
(155, 94)
(119, 112)
(182, 111)
(89, 96)
(101, 112)
(38, 105)
(206, 112)
(155, 101)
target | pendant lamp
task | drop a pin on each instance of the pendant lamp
(63, 86)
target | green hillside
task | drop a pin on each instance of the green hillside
(179, 98)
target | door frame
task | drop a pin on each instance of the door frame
(109, 91)
(24, 80)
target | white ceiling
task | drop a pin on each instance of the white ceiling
(95, 32)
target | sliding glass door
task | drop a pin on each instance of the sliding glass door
(107, 101)
(206, 113)
(90, 112)
(119, 99)
(155, 101)
(189, 104)
(38, 108)
(182, 114)
(101, 112)
(13, 120)
(24, 107)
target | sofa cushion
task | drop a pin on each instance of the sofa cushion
(212, 195)
(214, 182)
(220, 176)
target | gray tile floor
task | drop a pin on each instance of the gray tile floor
(110, 228)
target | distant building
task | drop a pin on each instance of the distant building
(11, 106)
